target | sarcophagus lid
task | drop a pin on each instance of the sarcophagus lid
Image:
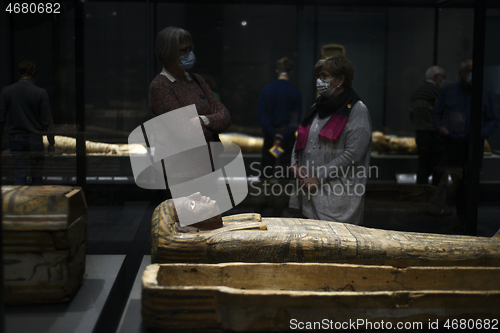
(250, 238)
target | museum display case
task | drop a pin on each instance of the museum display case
(96, 60)
(117, 71)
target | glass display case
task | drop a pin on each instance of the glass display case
(96, 60)
(237, 46)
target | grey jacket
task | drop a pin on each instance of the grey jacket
(342, 169)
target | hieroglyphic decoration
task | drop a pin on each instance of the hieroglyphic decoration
(302, 240)
(44, 237)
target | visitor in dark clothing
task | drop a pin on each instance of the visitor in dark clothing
(280, 105)
(430, 145)
(27, 109)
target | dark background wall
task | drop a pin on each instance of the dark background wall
(5, 70)
(250, 53)
(492, 65)
(116, 52)
(410, 51)
(363, 34)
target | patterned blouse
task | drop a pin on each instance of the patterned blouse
(167, 94)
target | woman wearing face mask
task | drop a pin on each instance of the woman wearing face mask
(174, 87)
(332, 153)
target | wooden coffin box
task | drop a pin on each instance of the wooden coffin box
(266, 297)
(44, 243)
(250, 238)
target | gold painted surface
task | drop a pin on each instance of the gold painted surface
(48, 207)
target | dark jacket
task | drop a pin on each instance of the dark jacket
(27, 108)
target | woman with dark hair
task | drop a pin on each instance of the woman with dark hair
(174, 87)
(332, 153)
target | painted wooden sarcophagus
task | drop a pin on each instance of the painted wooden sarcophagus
(247, 297)
(287, 274)
(44, 243)
(248, 238)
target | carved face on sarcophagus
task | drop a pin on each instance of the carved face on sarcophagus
(197, 211)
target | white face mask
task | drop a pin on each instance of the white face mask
(187, 61)
(323, 87)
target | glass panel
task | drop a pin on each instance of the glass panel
(237, 46)
(115, 84)
(492, 69)
(48, 41)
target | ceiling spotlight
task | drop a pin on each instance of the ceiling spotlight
(244, 23)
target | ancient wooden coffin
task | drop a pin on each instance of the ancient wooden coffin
(248, 238)
(44, 242)
(266, 297)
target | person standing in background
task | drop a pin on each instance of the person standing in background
(430, 145)
(452, 117)
(333, 140)
(280, 105)
(27, 109)
(175, 87)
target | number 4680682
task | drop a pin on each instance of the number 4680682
(33, 8)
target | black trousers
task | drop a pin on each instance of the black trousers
(457, 156)
(431, 156)
(269, 162)
(28, 153)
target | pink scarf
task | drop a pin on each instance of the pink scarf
(330, 132)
